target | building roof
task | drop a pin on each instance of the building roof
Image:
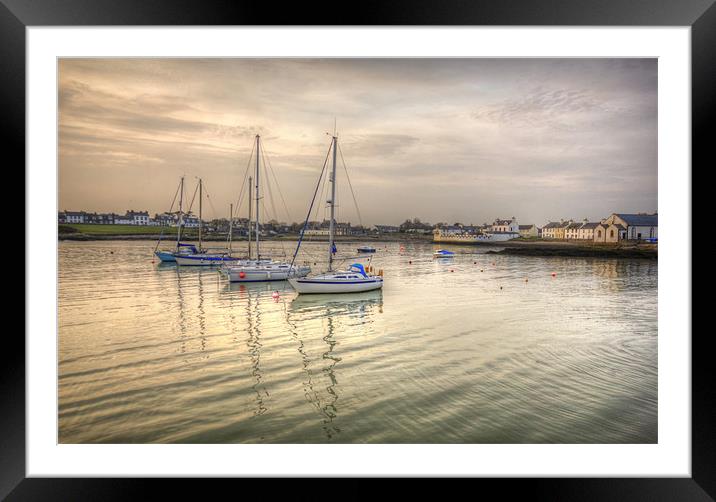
(526, 227)
(640, 220)
(552, 224)
(574, 225)
(591, 225)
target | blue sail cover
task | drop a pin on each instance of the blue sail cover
(360, 269)
(333, 249)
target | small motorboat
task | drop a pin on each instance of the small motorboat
(443, 253)
(366, 249)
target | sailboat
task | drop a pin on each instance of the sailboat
(201, 257)
(181, 248)
(260, 270)
(355, 279)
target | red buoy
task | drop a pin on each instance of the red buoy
(242, 274)
(554, 274)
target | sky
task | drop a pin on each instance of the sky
(443, 140)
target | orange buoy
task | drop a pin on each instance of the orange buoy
(242, 274)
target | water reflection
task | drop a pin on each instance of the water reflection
(328, 310)
(453, 358)
(346, 303)
(253, 316)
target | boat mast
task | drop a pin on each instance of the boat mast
(257, 197)
(249, 225)
(231, 221)
(331, 228)
(200, 214)
(181, 198)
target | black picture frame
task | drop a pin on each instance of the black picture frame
(700, 15)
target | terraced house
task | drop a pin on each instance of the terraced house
(632, 227)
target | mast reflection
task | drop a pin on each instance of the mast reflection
(324, 398)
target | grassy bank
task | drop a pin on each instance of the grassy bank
(86, 232)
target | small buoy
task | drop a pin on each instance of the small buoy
(482, 270)
(500, 287)
(493, 263)
(410, 262)
(275, 294)
(242, 274)
(451, 270)
(527, 280)
(474, 263)
(554, 274)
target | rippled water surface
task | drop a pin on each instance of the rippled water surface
(477, 349)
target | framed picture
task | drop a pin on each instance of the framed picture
(419, 243)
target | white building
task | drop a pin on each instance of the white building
(505, 226)
(138, 217)
(75, 216)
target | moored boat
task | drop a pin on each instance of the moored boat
(259, 270)
(443, 253)
(353, 280)
(366, 249)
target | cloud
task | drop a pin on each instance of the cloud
(439, 139)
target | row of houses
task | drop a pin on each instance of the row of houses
(131, 217)
(617, 227)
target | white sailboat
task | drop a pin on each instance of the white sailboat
(355, 279)
(203, 258)
(258, 269)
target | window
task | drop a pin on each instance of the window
(611, 233)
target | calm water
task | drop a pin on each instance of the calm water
(478, 349)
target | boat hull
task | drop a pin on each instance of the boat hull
(319, 286)
(204, 260)
(263, 274)
(165, 256)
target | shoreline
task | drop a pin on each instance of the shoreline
(529, 247)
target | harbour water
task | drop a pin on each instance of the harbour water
(479, 348)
